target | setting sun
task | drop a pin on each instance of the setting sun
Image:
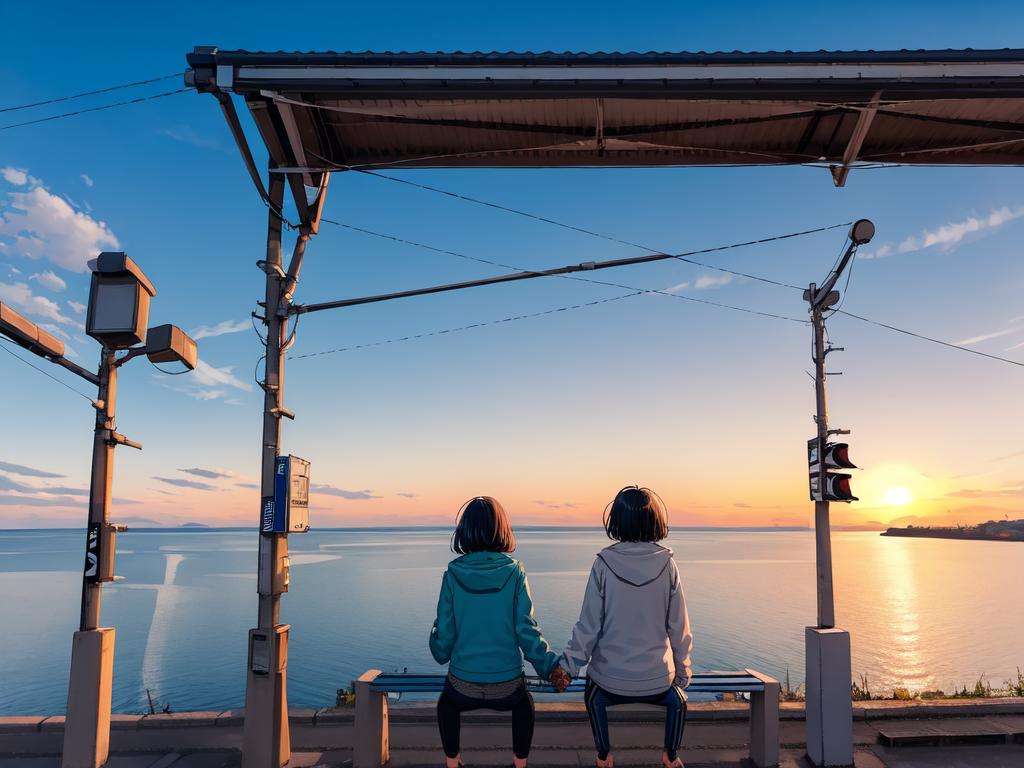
(897, 497)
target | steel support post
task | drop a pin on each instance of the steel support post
(87, 727)
(266, 741)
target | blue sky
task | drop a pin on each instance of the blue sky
(555, 413)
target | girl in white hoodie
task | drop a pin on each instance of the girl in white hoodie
(633, 633)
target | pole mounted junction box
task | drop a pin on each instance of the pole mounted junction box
(287, 511)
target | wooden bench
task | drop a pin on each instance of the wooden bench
(372, 689)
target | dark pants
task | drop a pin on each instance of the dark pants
(452, 704)
(598, 700)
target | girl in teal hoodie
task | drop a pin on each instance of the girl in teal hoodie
(485, 626)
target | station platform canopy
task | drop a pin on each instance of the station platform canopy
(333, 111)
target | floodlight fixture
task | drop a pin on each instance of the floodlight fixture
(170, 344)
(118, 301)
(862, 231)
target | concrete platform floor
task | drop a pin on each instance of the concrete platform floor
(1004, 756)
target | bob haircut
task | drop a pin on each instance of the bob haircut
(636, 514)
(483, 526)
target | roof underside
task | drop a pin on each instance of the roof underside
(323, 111)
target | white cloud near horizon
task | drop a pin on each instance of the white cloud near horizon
(220, 329)
(947, 236)
(42, 225)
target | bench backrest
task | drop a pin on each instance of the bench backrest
(702, 682)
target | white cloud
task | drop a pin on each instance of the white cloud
(42, 225)
(14, 176)
(947, 236)
(1014, 327)
(77, 306)
(49, 279)
(705, 282)
(220, 329)
(207, 382)
(87, 180)
(188, 135)
(20, 296)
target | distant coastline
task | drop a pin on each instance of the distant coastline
(993, 530)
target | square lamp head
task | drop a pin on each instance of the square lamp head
(170, 344)
(118, 302)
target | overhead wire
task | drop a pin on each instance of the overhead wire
(139, 100)
(45, 373)
(91, 93)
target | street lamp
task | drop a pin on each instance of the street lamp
(117, 315)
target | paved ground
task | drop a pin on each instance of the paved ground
(1009, 756)
(717, 736)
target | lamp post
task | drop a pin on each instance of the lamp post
(118, 311)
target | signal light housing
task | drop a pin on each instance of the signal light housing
(837, 484)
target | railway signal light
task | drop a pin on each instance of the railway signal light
(836, 484)
(118, 301)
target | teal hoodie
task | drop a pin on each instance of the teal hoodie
(485, 619)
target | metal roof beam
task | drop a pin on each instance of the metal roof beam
(860, 132)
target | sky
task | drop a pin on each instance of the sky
(551, 415)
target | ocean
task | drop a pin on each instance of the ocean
(923, 613)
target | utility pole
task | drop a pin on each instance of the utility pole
(829, 710)
(266, 741)
(822, 526)
(116, 317)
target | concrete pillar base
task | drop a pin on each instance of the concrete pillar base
(87, 728)
(829, 705)
(266, 741)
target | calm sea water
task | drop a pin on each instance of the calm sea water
(922, 613)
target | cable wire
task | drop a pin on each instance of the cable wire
(45, 373)
(91, 93)
(929, 338)
(618, 240)
(94, 109)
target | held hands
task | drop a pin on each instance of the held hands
(560, 679)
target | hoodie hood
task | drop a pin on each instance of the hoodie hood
(483, 571)
(636, 563)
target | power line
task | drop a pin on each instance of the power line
(91, 93)
(612, 238)
(45, 373)
(929, 338)
(94, 109)
(457, 329)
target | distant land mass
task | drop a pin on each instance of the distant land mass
(993, 530)
(195, 525)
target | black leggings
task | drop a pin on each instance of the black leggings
(452, 704)
(598, 700)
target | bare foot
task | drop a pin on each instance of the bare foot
(677, 763)
(608, 762)
(453, 762)
(519, 762)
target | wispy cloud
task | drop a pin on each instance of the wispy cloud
(220, 329)
(555, 504)
(704, 282)
(186, 134)
(248, 485)
(1015, 326)
(209, 474)
(947, 236)
(407, 495)
(182, 483)
(87, 180)
(207, 382)
(49, 279)
(77, 307)
(22, 297)
(331, 490)
(40, 224)
(19, 469)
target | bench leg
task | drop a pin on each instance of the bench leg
(371, 726)
(764, 724)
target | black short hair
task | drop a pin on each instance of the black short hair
(636, 514)
(483, 526)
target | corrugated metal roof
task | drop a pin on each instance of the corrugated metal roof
(334, 110)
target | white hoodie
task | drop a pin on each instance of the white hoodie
(633, 628)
